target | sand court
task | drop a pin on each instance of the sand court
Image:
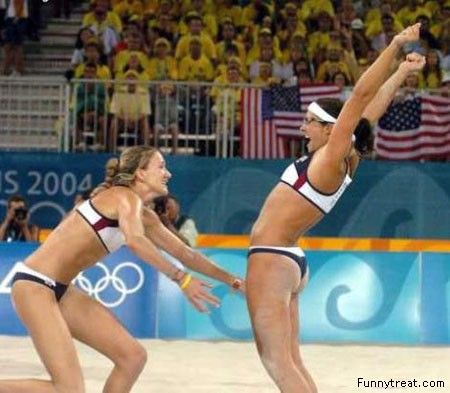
(234, 367)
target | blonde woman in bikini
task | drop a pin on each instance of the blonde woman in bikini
(55, 312)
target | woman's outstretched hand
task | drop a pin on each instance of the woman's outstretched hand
(410, 34)
(413, 62)
(197, 292)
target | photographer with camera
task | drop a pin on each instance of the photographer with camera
(16, 226)
(168, 210)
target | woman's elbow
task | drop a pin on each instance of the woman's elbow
(187, 255)
(362, 95)
(133, 243)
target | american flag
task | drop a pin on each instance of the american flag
(269, 116)
(416, 128)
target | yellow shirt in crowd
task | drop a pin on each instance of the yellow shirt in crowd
(313, 7)
(130, 106)
(234, 12)
(142, 76)
(103, 71)
(432, 81)
(123, 57)
(196, 70)
(124, 8)
(162, 69)
(255, 52)
(327, 64)
(300, 30)
(223, 80)
(408, 17)
(112, 20)
(151, 6)
(432, 6)
(375, 26)
(209, 22)
(208, 47)
(208, 6)
(220, 50)
(317, 40)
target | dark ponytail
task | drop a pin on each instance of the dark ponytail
(364, 137)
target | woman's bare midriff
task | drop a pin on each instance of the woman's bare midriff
(70, 248)
(285, 216)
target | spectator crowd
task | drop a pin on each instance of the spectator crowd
(230, 42)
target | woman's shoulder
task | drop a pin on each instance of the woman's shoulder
(108, 191)
(320, 164)
(112, 200)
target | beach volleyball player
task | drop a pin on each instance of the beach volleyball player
(338, 136)
(55, 311)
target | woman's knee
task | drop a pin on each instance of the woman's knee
(285, 374)
(139, 354)
(132, 358)
(275, 361)
(279, 366)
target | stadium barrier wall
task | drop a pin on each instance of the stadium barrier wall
(386, 200)
(362, 297)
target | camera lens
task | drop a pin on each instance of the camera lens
(20, 213)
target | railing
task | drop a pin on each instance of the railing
(32, 113)
(96, 115)
(178, 117)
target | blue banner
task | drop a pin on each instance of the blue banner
(48, 181)
(362, 297)
(351, 297)
(10, 253)
(435, 301)
(387, 199)
(121, 282)
(231, 319)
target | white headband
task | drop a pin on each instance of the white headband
(321, 113)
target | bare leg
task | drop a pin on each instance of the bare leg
(93, 324)
(144, 130)
(18, 58)
(157, 130)
(113, 135)
(271, 280)
(79, 130)
(174, 131)
(295, 347)
(37, 307)
(9, 58)
(26, 385)
(101, 135)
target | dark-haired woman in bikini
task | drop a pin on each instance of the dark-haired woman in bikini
(338, 136)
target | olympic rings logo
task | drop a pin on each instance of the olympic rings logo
(111, 281)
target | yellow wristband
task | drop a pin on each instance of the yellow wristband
(185, 281)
